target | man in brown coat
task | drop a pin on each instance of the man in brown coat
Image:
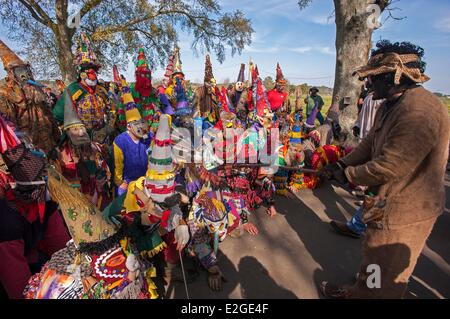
(402, 161)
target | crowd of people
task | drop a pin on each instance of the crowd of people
(104, 188)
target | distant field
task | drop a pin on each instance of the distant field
(446, 101)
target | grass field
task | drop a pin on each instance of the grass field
(327, 101)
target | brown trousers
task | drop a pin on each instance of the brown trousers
(396, 252)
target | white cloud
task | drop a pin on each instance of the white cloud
(301, 49)
(323, 50)
(443, 25)
(262, 50)
(326, 50)
(322, 20)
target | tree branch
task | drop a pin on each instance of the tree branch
(88, 6)
(38, 13)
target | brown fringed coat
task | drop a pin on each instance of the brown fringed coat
(404, 158)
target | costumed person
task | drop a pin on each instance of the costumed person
(239, 97)
(130, 147)
(263, 124)
(31, 228)
(82, 161)
(25, 104)
(101, 261)
(156, 194)
(90, 99)
(207, 101)
(210, 220)
(402, 162)
(171, 93)
(278, 97)
(145, 96)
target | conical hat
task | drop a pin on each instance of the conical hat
(280, 77)
(9, 58)
(177, 63)
(208, 71)
(131, 112)
(142, 60)
(70, 115)
(85, 56)
(84, 221)
(160, 177)
(241, 76)
(169, 69)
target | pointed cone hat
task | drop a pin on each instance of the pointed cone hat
(241, 76)
(116, 76)
(85, 57)
(71, 118)
(9, 58)
(160, 177)
(208, 71)
(280, 77)
(177, 67)
(169, 70)
(142, 62)
(131, 112)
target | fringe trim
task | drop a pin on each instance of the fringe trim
(154, 251)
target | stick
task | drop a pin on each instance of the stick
(184, 275)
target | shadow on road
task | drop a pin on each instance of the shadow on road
(338, 256)
(255, 280)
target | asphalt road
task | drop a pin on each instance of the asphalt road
(297, 249)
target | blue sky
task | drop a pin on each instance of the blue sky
(303, 41)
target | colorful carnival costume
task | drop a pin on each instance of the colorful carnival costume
(144, 95)
(155, 196)
(130, 147)
(213, 215)
(278, 97)
(25, 104)
(90, 99)
(82, 161)
(30, 225)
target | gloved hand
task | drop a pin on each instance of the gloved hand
(215, 278)
(181, 236)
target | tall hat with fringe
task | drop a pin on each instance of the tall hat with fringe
(85, 57)
(182, 108)
(280, 77)
(160, 177)
(169, 69)
(260, 101)
(9, 58)
(177, 67)
(116, 75)
(142, 62)
(131, 112)
(209, 76)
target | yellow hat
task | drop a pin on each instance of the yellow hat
(132, 113)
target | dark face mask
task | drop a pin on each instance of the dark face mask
(22, 74)
(381, 85)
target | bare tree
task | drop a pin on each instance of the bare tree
(118, 28)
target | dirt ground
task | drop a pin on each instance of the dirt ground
(297, 249)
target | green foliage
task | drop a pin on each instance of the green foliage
(119, 27)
